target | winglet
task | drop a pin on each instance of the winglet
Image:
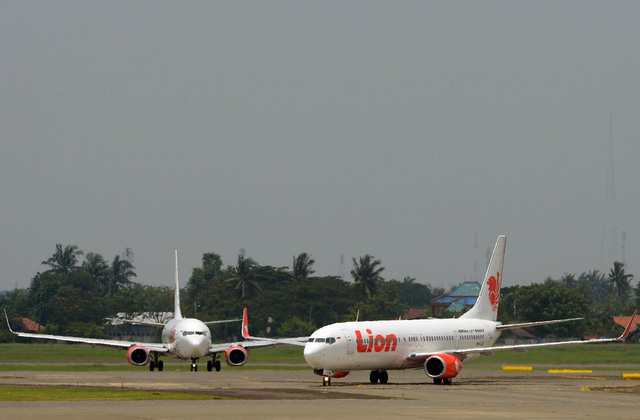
(7, 318)
(628, 329)
(245, 325)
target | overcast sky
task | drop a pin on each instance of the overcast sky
(399, 129)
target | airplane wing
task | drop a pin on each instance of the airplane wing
(294, 341)
(223, 321)
(415, 358)
(535, 324)
(157, 347)
(218, 348)
(251, 341)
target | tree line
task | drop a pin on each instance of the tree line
(74, 298)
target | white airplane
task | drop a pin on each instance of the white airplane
(182, 338)
(437, 345)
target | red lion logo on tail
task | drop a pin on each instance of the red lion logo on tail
(494, 291)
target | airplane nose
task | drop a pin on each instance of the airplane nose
(313, 355)
(198, 346)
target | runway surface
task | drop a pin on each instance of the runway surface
(300, 394)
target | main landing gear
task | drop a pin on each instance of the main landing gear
(211, 364)
(442, 381)
(379, 376)
(155, 363)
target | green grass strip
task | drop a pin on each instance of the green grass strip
(8, 393)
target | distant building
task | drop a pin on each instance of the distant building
(28, 325)
(634, 332)
(124, 327)
(460, 300)
(416, 314)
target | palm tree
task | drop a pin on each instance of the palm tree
(242, 276)
(98, 269)
(365, 274)
(620, 282)
(64, 260)
(568, 280)
(301, 268)
(119, 275)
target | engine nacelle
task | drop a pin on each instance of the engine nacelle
(442, 366)
(237, 356)
(138, 356)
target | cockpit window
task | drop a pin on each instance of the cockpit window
(186, 333)
(331, 340)
(319, 340)
(310, 340)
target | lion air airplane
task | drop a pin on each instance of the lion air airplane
(437, 345)
(182, 338)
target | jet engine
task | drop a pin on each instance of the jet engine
(138, 356)
(442, 366)
(237, 356)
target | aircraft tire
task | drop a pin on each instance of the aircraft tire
(160, 366)
(217, 365)
(209, 365)
(446, 381)
(152, 366)
(374, 376)
(437, 381)
(383, 377)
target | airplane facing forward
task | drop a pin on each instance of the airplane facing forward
(182, 338)
(439, 346)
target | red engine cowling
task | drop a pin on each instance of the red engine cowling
(138, 356)
(237, 356)
(442, 366)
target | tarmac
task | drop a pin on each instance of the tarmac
(270, 394)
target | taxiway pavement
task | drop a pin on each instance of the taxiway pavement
(299, 394)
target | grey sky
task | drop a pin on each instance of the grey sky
(398, 129)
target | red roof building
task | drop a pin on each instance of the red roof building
(29, 325)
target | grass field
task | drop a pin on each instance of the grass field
(69, 357)
(73, 394)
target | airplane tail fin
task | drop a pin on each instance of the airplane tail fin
(245, 325)
(177, 314)
(486, 306)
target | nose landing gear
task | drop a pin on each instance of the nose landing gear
(194, 364)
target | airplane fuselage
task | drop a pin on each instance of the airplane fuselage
(385, 345)
(187, 338)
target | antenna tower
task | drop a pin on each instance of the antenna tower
(609, 245)
(127, 255)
